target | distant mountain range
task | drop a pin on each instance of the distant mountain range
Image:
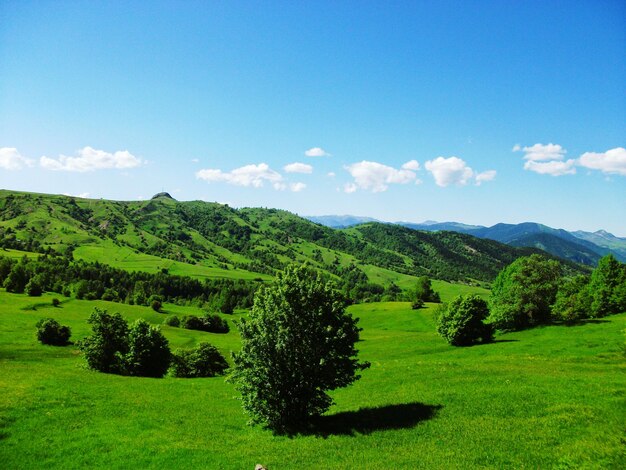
(579, 246)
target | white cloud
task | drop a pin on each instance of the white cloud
(447, 171)
(553, 168)
(411, 165)
(350, 188)
(376, 177)
(317, 152)
(610, 162)
(542, 153)
(90, 159)
(485, 176)
(297, 187)
(298, 168)
(331, 174)
(546, 159)
(10, 159)
(195, 160)
(249, 175)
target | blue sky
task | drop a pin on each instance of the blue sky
(478, 112)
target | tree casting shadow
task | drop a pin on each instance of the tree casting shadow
(368, 420)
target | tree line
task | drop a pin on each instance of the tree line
(533, 291)
(96, 281)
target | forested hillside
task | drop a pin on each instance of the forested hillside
(213, 240)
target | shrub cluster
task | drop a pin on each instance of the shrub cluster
(172, 321)
(114, 347)
(49, 331)
(532, 291)
(208, 323)
(462, 322)
(203, 361)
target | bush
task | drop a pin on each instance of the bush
(172, 321)
(419, 303)
(209, 323)
(148, 351)
(462, 322)
(424, 291)
(297, 343)
(49, 331)
(115, 348)
(105, 349)
(203, 361)
(56, 302)
(156, 305)
(33, 288)
(191, 322)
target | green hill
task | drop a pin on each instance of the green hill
(203, 239)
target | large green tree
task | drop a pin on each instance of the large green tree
(297, 344)
(607, 287)
(523, 293)
(573, 300)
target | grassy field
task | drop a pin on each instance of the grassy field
(551, 397)
(125, 258)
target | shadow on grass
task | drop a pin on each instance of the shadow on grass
(584, 321)
(368, 420)
(505, 341)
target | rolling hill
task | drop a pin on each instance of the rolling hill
(213, 240)
(580, 247)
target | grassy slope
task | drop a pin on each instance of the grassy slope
(211, 240)
(544, 398)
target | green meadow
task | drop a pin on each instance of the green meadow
(551, 397)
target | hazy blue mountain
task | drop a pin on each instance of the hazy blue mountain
(558, 246)
(432, 226)
(604, 239)
(581, 247)
(339, 221)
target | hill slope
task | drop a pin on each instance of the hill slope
(214, 240)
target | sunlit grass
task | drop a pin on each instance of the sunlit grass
(551, 397)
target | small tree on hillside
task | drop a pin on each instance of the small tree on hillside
(115, 348)
(106, 347)
(49, 331)
(203, 361)
(424, 291)
(462, 323)
(33, 287)
(148, 351)
(523, 293)
(297, 344)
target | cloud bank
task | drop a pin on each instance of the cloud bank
(610, 162)
(90, 159)
(549, 160)
(10, 159)
(298, 168)
(254, 176)
(454, 171)
(376, 177)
